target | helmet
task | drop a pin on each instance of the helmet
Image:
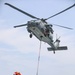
(17, 73)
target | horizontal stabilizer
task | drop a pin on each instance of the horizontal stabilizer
(59, 48)
(62, 48)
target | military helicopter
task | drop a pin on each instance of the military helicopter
(42, 30)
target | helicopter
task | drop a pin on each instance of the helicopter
(43, 30)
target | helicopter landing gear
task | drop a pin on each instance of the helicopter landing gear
(30, 35)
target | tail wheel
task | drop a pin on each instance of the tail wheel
(30, 35)
(54, 51)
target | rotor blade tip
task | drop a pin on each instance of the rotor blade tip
(14, 26)
(6, 3)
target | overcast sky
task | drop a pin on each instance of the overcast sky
(19, 53)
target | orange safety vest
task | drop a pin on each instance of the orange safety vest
(17, 73)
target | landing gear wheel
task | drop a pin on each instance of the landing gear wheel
(30, 35)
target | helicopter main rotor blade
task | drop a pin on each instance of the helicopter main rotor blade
(62, 26)
(21, 11)
(20, 25)
(60, 12)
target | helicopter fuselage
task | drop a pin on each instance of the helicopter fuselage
(37, 28)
